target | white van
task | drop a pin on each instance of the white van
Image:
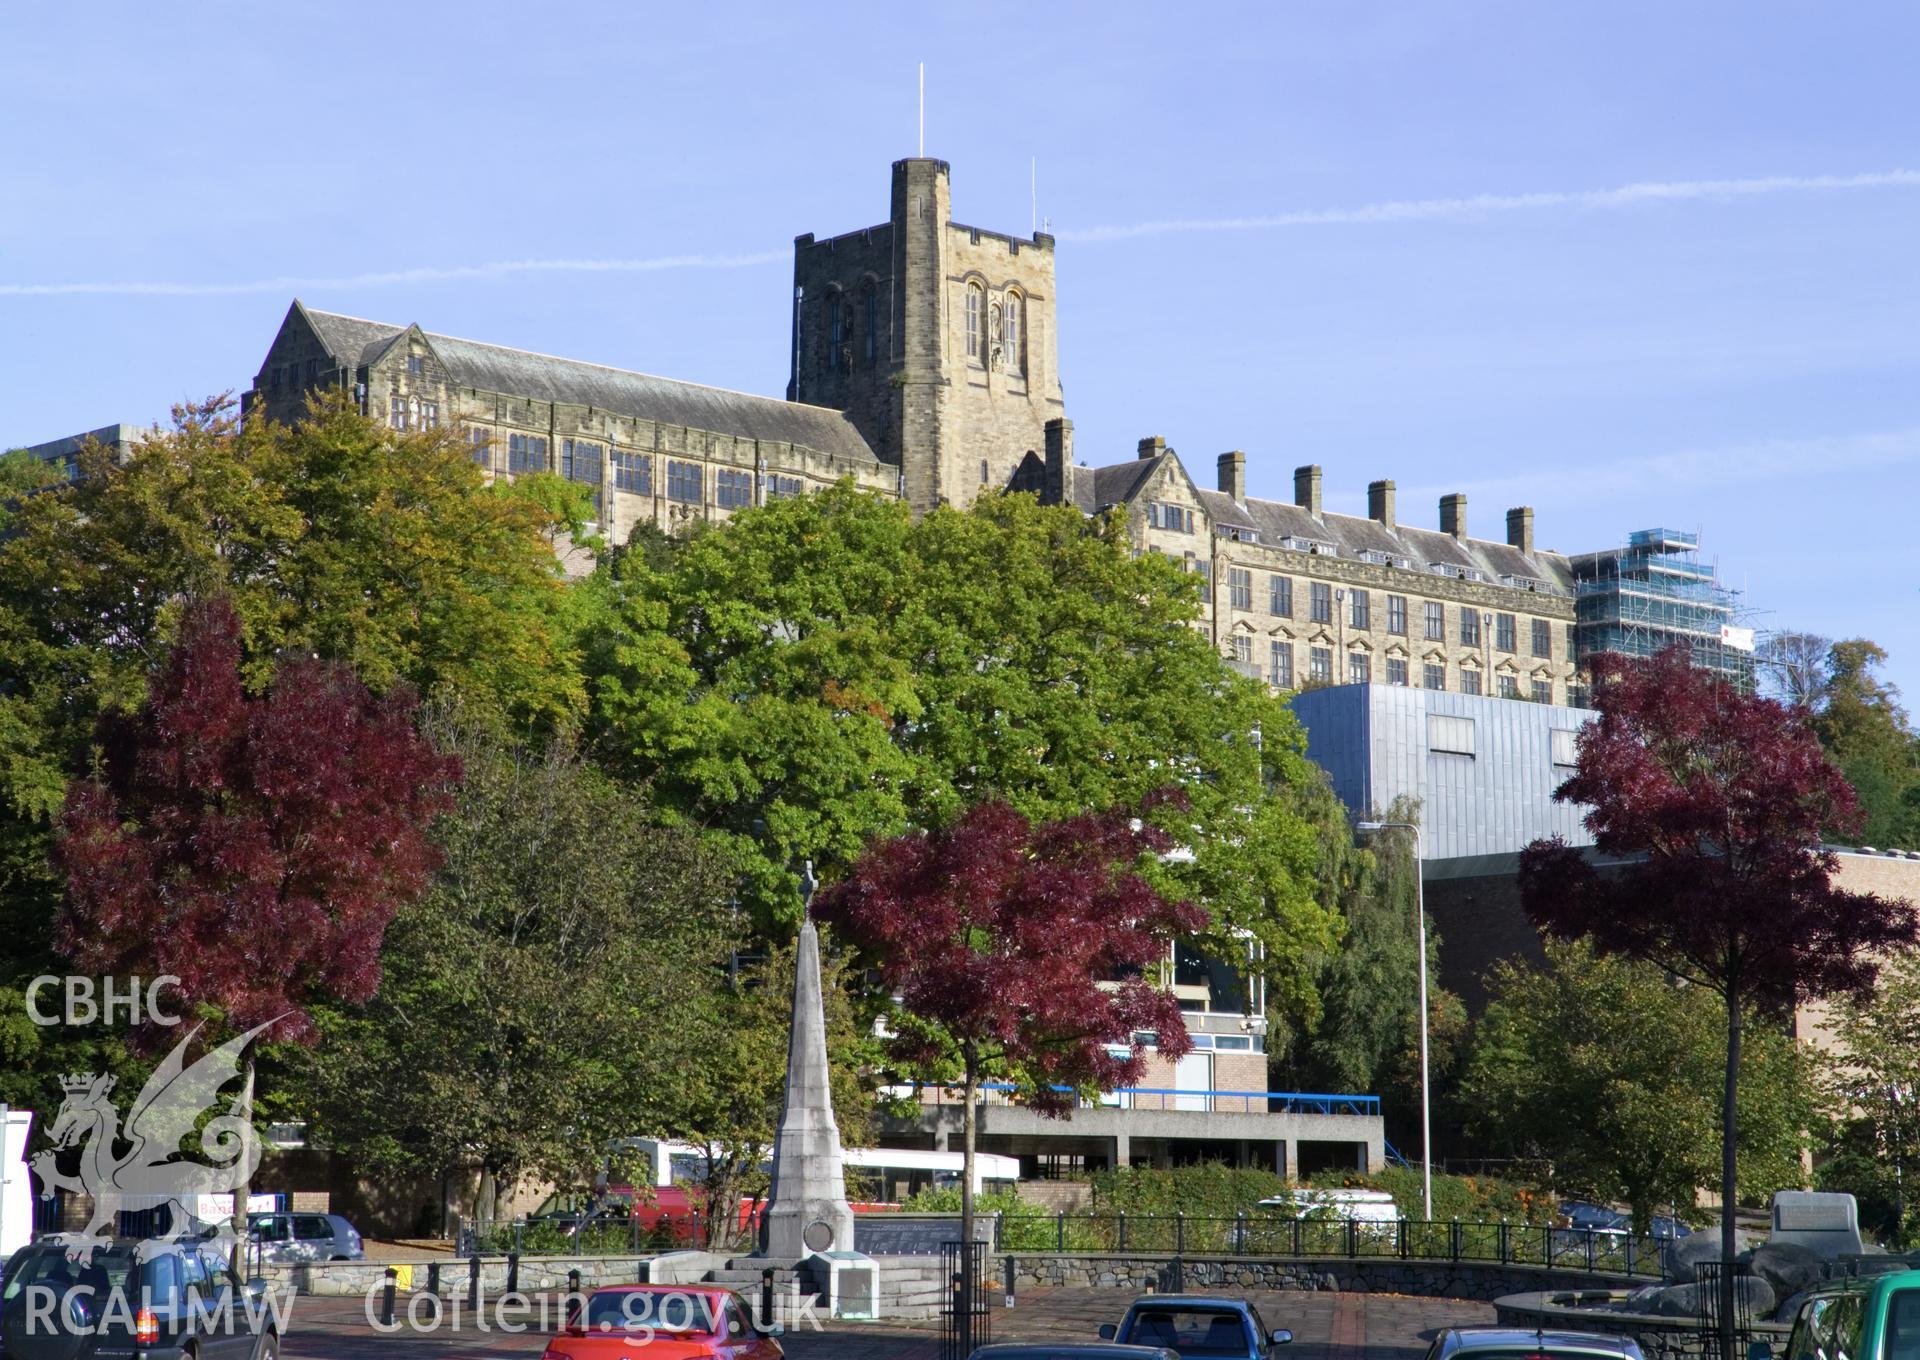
(1376, 1208)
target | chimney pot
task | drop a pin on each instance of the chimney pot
(1306, 488)
(1453, 514)
(1233, 474)
(1520, 528)
(1059, 460)
(1380, 502)
(1152, 446)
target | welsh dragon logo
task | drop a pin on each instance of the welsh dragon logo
(154, 1165)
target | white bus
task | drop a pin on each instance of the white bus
(874, 1175)
(16, 1192)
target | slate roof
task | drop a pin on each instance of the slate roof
(1116, 484)
(1272, 521)
(640, 396)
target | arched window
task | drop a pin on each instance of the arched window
(1015, 355)
(976, 296)
(834, 325)
(872, 342)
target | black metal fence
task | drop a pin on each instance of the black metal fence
(1602, 1250)
(967, 1319)
(1711, 1278)
(1258, 1234)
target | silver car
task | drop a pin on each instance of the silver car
(287, 1239)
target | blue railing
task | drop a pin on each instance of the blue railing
(1278, 1102)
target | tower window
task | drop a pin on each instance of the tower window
(835, 324)
(975, 299)
(873, 327)
(1014, 360)
(983, 472)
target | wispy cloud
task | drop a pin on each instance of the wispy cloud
(1730, 465)
(1487, 205)
(391, 278)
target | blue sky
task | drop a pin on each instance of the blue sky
(1742, 359)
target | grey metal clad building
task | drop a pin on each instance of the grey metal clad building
(66, 452)
(1483, 769)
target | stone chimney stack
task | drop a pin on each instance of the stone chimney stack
(1306, 488)
(1520, 528)
(1453, 514)
(1059, 460)
(1233, 474)
(1152, 446)
(1380, 502)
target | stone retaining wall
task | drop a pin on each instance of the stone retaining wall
(416, 1277)
(1386, 1275)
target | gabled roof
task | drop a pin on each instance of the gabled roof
(1094, 489)
(355, 342)
(348, 339)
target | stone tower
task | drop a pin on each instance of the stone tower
(937, 339)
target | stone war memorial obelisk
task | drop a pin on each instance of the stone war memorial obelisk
(807, 1209)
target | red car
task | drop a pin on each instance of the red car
(663, 1322)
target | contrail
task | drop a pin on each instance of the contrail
(1396, 210)
(1482, 205)
(426, 274)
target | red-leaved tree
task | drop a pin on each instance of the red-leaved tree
(255, 847)
(1715, 799)
(1021, 950)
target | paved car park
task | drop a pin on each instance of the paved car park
(1325, 1326)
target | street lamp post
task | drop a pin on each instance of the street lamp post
(1426, 1094)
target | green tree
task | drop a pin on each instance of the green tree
(547, 994)
(1610, 1070)
(22, 474)
(336, 537)
(827, 670)
(1367, 1035)
(1873, 1080)
(1868, 735)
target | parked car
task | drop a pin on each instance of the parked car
(1876, 1317)
(291, 1238)
(181, 1301)
(1512, 1343)
(1071, 1350)
(662, 1322)
(1197, 1325)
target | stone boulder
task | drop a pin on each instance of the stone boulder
(1788, 1267)
(1757, 1299)
(1682, 1254)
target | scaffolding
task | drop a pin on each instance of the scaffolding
(1656, 592)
